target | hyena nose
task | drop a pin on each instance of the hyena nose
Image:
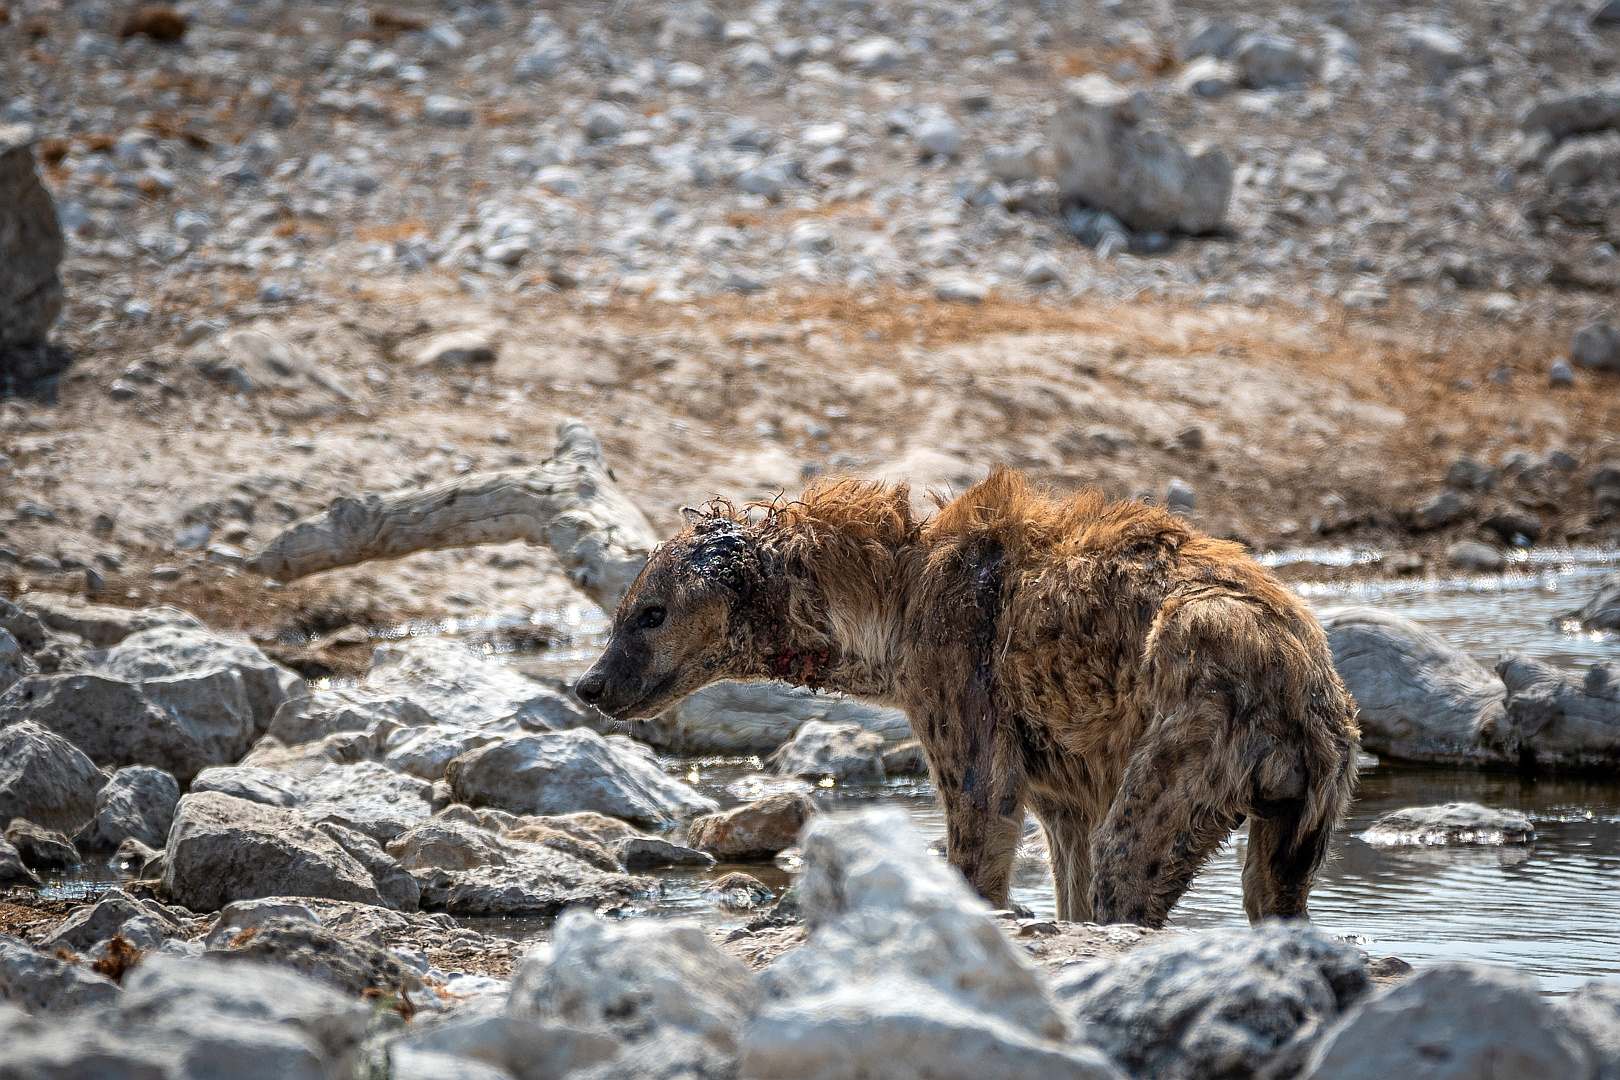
(591, 688)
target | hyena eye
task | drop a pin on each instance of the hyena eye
(651, 617)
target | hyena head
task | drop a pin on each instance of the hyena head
(678, 629)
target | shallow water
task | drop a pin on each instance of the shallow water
(1551, 907)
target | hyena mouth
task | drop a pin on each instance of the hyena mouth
(642, 707)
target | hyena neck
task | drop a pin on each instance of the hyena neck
(829, 612)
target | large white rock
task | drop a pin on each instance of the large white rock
(1109, 158)
(222, 849)
(180, 650)
(1228, 1002)
(642, 982)
(1453, 1022)
(427, 752)
(179, 723)
(458, 689)
(904, 974)
(758, 717)
(45, 778)
(368, 797)
(564, 771)
(325, 712)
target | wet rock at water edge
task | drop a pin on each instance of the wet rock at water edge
(12, 870)
(756, 830)
(841, 752)
(1451, 823)
(1475, 556)
(102, 625)
(137, 803)
(1602, 611)
(563, 771)
(41, 848)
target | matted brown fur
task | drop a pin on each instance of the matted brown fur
(1140, 687)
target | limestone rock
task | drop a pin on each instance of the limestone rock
(43, 984)
(1452, 823)
(222, 849)
(179, 723)
(1593, 1014)
(115, 913)
(397, 887)
(14, 663)
(241, 915)
(1228, 1002)
(343, 963)
(137, 802)
(1585, 159)
(1109, 159)
(1563, 113)
(1474, 555)
(366, 796)
(904, 974)
(45, 778)
(458, 689)
(99, 624)
(1452, 1022)
(1420, 698)
(30, 249)
(756, 830)
(24, 626)
(251, 782)
(426, 753)
(524, 1048)
(1266, 61)
(457, 348)
(463, 870)
(636, 980)
(758, 717)
(843, 752)
(1562, 719)
(321, 713)
(1596, 347)
(573, 770)
(179, 650)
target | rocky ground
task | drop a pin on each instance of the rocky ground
(754, 244)
(314, 252)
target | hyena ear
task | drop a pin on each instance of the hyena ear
(692, 514)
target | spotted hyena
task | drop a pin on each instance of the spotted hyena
(1141, 688)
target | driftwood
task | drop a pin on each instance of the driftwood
(1602, 612)
(1423, 700)
(569, 502)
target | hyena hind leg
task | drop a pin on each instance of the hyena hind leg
(1172, 811)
